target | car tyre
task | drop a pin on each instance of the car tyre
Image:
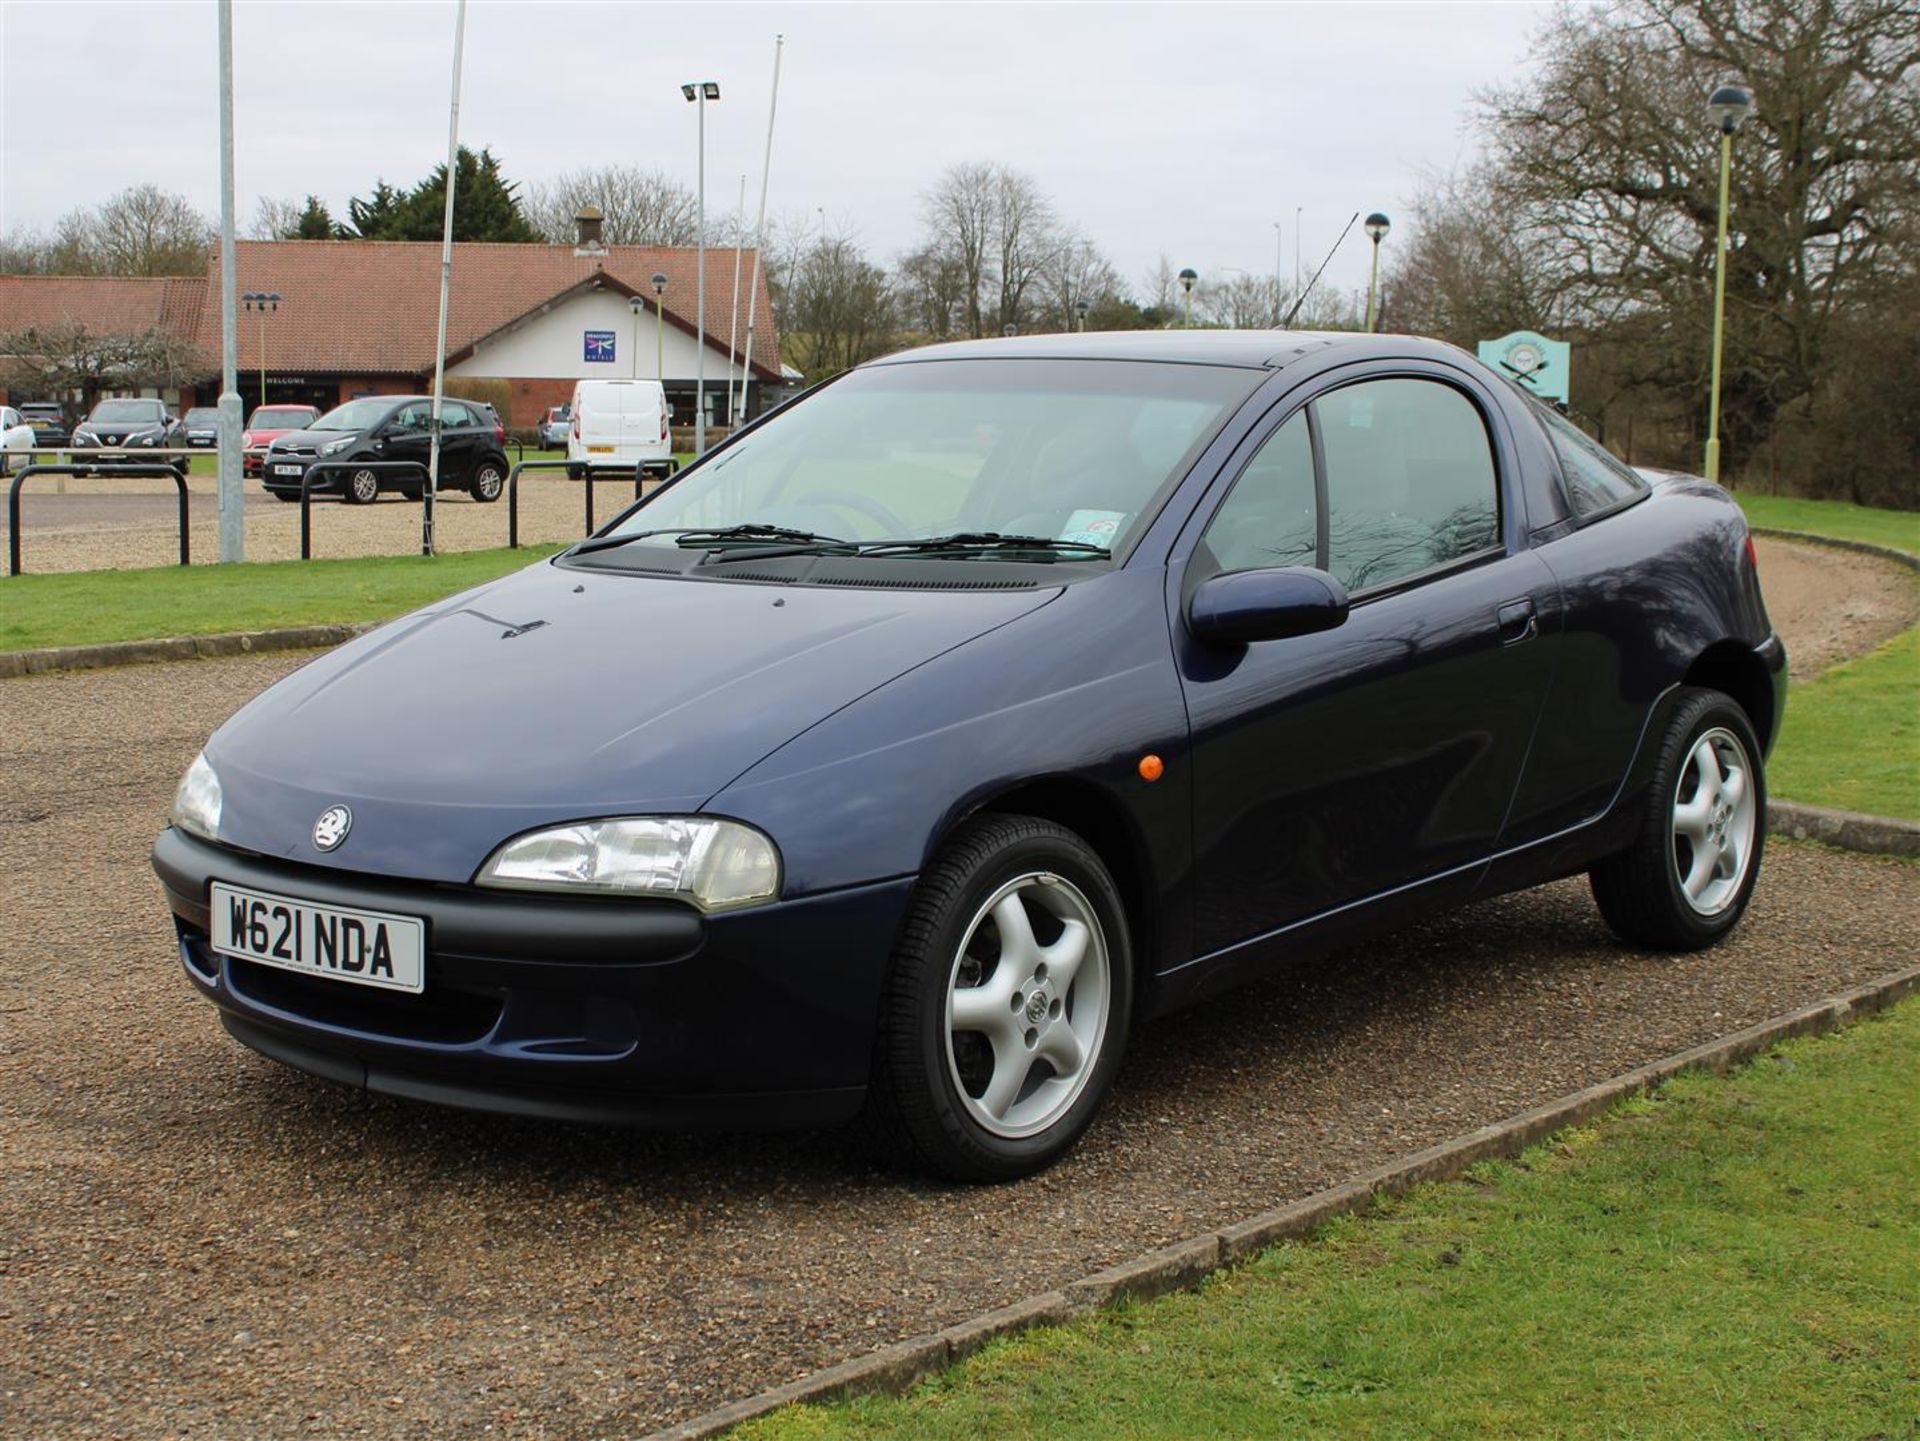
(362, 488)
(1687, 878)
(1007, 1004)
(576, 472)
(488, 481)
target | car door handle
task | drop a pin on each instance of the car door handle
(1518, 621)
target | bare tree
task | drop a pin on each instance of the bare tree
(959, 216)
(275, 218)
(930, 290)
(1026, 239)
(1077, 275)
(1606, 163)
(641, 207)
(147, 231)
(838, 309)
(57, 360)
(1456, 276)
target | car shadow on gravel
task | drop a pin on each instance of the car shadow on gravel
(1180, 1070)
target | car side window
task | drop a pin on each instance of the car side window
(411, 417)
(1595, 480)
(453, 413)
(1271, 517)
(1411, 482)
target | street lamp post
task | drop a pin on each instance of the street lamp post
(1726, 108)
(1187, 277)
(698, 94)
(1377, 227)
(1080, 309)
(660, 330)
(636, 305)
(262, 301)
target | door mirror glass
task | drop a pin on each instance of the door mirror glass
(1272, 604)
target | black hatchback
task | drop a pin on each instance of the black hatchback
(381, 443)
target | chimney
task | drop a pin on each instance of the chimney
(588, 221)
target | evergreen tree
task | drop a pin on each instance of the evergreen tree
(486, 206)
(314, 222)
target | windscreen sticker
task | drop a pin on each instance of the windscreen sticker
(1093, 527)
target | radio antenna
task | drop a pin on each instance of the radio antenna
(1287, 324)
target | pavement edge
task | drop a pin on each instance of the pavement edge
(16, 663)
(895, 1369)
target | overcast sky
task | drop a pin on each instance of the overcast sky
(1184, 129)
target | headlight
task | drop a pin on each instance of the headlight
(334, 447)
(196, 805)
(717, 865)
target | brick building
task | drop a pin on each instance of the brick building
(358, 317)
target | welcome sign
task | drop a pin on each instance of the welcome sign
(1540, 364)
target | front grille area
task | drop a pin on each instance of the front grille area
(438, 1016)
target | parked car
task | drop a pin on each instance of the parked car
(130, 425)
(16, 438)
(617, 425)
(202, 425)
(266, 425)
(50, 422)
(391, 428)
(554, 426)
(928, 735)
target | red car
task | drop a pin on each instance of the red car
(267, 424)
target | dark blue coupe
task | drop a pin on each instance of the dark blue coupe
(940, 727)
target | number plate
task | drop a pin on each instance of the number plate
(368, 948)
(286, 470)
(599, 450)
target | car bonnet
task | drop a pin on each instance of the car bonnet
(557, 695)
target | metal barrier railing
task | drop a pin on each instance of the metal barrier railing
(137, 470)
(327, 466)
(642, 473)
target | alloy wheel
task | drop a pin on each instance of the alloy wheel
(1028, 999)
(1714, 820)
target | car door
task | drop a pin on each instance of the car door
(1332, 768)
(408, 433)
(459, 442)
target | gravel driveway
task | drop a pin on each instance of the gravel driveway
(194, 1241)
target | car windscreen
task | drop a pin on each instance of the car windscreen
(126, 412)
(355, 414)
(269, 418)
(1073, 451)
(203, 415)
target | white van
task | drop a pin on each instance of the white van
(617, 425)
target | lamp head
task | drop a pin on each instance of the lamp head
(1377, 226)
(636, 304)
(709, 89)
(1187, 277)
(689, 92)
(659, 283)
(1727, 107)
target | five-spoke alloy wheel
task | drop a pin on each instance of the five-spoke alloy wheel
(1006, 1009)
(1687, 878)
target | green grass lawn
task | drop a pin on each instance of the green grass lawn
(87, 607)
(1737, 1257)
(1851, 737)
(1897, 528)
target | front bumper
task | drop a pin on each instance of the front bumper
(328, 483)
(593, 1009)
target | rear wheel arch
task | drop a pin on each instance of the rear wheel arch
(1734, 670)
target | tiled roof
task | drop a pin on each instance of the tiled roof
(106, 305)
(371, 306)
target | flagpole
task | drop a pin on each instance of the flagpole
(446, 282)
(760, 225)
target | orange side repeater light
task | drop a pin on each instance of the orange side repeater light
(1151, 768)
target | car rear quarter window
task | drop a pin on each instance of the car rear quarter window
(1596, 482)
(1411, 483)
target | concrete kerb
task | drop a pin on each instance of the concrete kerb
(179, 647)
(1837, 542)
(1848, 830)
(896, 1369)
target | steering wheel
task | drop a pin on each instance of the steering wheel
(890, 524)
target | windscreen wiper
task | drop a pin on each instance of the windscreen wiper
(697, 535)
(977, 542)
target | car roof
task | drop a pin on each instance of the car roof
(1253, 349)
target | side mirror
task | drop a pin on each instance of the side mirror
(1252, 605)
